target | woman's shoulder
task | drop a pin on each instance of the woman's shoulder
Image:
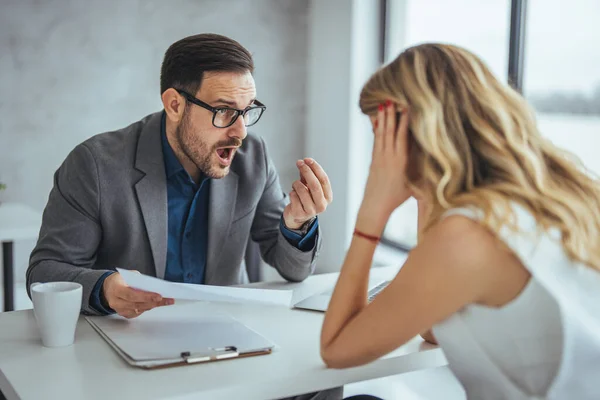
(460, 237)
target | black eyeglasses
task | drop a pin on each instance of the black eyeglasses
(224, 117)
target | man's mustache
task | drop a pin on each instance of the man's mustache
(232, 142)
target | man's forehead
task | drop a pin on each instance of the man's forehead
(233, 86)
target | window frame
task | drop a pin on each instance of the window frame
(516, 56)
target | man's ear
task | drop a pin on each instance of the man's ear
(174, 104)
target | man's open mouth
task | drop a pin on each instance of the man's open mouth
(225, 154)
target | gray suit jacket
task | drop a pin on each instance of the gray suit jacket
(108, 208)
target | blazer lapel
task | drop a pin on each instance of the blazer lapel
(151, 190)
(223, 194)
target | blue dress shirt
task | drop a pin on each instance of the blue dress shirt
(188, 227)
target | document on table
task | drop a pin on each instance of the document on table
(179, 335)
(187, 291)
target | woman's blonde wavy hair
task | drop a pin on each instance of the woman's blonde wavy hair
(473, 141)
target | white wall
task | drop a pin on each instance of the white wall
(71, 69)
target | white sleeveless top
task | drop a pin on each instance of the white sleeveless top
(543, 344)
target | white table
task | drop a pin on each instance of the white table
(17, 222)
(90, 369)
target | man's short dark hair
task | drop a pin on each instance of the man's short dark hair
(188, 59)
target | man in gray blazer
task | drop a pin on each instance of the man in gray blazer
(178, 194)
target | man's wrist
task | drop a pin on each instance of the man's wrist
(97, 300)
(103, 300)
(303, 228)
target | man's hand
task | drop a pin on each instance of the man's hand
(310, 195)
(129, 302)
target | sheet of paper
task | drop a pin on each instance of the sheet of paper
(187, 291)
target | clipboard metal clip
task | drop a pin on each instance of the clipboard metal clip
(211, 355)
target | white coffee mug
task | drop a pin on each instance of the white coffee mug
(56, 306)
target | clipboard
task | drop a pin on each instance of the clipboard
(179, 335)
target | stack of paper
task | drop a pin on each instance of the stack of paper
(187, 291)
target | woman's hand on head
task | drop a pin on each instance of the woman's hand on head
(387, 187)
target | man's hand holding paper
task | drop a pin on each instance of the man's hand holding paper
(127, 301)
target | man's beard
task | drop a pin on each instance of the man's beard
(199, 152)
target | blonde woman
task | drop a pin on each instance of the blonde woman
(505, 275)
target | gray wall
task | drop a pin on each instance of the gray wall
(71, 69)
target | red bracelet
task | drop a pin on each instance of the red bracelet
(372, 238)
